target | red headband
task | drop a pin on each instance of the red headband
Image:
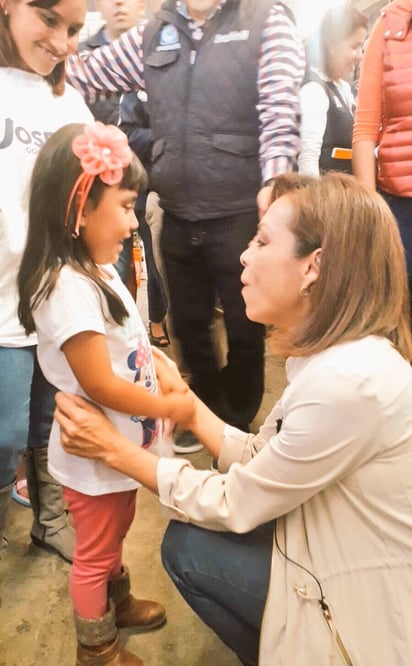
(103, 151)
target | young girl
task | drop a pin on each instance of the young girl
(35, 39)
(92, 341)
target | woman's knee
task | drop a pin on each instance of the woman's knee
(183, 549)
(170, 548)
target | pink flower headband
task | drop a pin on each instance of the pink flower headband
(103, 151)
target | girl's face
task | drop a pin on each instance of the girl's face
(104, 227)
(272, 276)
(346, 55)
(45, 37)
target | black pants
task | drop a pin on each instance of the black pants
(202, 263)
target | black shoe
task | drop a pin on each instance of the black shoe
(159, 340)
(186, 442)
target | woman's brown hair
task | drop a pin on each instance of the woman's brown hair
(362, 287)
(10, 57)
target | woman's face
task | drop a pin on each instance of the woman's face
(45, 37)
(346, 55)
(273, 276)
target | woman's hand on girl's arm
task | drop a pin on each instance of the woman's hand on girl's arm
(85, 429)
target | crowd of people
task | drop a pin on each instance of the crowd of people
(244, 135)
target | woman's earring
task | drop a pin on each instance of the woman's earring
(304, 291)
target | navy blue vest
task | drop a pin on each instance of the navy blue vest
(338, 131)
(202, 98)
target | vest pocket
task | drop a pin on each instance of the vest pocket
(236, 144)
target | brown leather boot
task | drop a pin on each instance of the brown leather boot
(98, 643)
(131, 612)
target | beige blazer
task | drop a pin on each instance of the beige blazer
(338, 479)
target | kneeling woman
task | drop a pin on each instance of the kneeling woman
(299, 550)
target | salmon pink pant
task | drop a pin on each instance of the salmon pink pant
(101, 523)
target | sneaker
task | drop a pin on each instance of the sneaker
(186, 442)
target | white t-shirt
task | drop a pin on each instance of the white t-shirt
(29, 114)
(75, 305)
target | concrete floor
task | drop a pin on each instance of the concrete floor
(36, 627)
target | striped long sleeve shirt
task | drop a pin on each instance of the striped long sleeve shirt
(120, 67)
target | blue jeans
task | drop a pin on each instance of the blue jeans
(26, 408)
(224, 577)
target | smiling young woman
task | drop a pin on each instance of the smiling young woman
(35, 39)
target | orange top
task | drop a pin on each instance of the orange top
(369, 105)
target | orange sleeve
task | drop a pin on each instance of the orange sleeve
(369, 105)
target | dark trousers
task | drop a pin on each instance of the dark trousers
(202, 264)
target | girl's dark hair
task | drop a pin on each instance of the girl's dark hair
(337, 25)
(10, 57)
(50, 244)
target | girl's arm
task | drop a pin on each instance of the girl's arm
(88, 357)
